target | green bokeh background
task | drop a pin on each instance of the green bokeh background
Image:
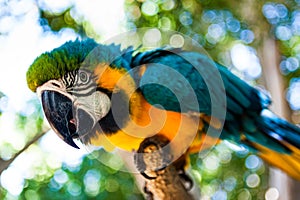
(226, 173)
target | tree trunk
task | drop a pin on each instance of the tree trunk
(289, 189)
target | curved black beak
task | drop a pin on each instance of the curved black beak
(58, 110)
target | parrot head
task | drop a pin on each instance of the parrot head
(68, 82)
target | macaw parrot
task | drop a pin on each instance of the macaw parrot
(105, 96)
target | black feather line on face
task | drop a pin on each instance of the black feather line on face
(113, 121)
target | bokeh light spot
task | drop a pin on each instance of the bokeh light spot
(281, 10)
(216, 31)
(296, 22)
(275, 13)
(244, 195)
(111, 185)
(92, 182)
(54, 186)
(32, 195)
(293, 94)
(149, 8)
(177, 41)
(74, 188)
(247, 36)
(165, 23)
(115, 162)
(244, 58)
(208, 190)
(233, 25)
(61, 177)
(252, 162)
(133, 12)
(168, 5)
(269, 11)
(152, 37)
(211, 162)
(254, 71)
(283, 33)
(252, 180)
(12, 180)
(272, 194)
(185, 18)
(225, 156)
(229, 184)
(220, 195)
(209, 16)
(291, 64)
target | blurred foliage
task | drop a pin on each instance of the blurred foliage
(52, 21)
(31, 119)
(216, 25)
(213, 24)
(230, 174)
(57, 20)
(90, 180)
(28, 124)
(219, 25)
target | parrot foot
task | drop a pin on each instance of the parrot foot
(152, 156)
(164, 179)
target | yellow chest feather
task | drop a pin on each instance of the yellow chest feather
(183, 130)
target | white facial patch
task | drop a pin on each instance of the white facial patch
(96, 104)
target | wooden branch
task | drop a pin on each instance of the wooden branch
(162, 178)
(4, 164)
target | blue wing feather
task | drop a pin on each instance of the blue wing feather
(191, 74)
(184, 81)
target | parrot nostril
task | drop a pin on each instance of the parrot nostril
(56, 85)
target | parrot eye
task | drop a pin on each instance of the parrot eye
(83, 76)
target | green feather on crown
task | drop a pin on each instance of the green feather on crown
(71, 56)
(53, 65)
